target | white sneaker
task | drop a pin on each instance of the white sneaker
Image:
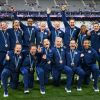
(77, 78)
(42, 92)
(37, 79)
(68, 91)
(96, 90)
(26, 91)
(79, 89)
(5, 95)
(51, 78)
(92, 79)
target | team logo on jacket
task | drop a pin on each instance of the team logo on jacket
(76, 52)
(50, 50)
(84, 35)
(61, 49)
(59, 32)
(98, 33)
(89, 51)
(32, 28)
(74, 29)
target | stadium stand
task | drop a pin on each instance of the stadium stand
(80, 9)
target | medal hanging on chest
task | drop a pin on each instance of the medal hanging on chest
(71, 33)
(56, 33)
(31, 63)
(41, 37)
(72, 55)
(82, 38)
(60, 56)
(16, 36)
(5, 40)
(30, 31)
(17, 59)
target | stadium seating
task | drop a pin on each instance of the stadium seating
(38, 5)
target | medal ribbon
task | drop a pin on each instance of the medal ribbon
(30, 33)
(71, 33)
(16, 36)
(17, 61)
(72, 55)
(4, 38)
(31, 62)
(59, 54)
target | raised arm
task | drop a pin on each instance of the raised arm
(64, 16)
(49, 19)
(13, 10)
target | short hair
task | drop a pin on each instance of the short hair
(32, 45)
(4, 22)
(71, 19)
(95, 23)
(30, 18)
(72, 40)
(58, 37)
(46, 39)
(86, 40)
(17, 44)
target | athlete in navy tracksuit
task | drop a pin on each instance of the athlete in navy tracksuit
(4, 44)
(12, 64)
(28, 68)
(74, 62)
(71, 31)
(95, 40)
(46, 50)
(16, 34)
(29, 35)
(41, 34)
(59, 65)
(81, 37)
(89, 57)
(32, 60)
(55, 31)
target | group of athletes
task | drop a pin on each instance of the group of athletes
(25, 49)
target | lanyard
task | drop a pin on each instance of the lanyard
(17, 61)
(31, 62)
(59, 54)
(56, 33)
(71, 33)
(72, 55)
(16, 36)
(30, 33)
(81, 38)
(4, 38)
(46, 51)
(41, 37)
